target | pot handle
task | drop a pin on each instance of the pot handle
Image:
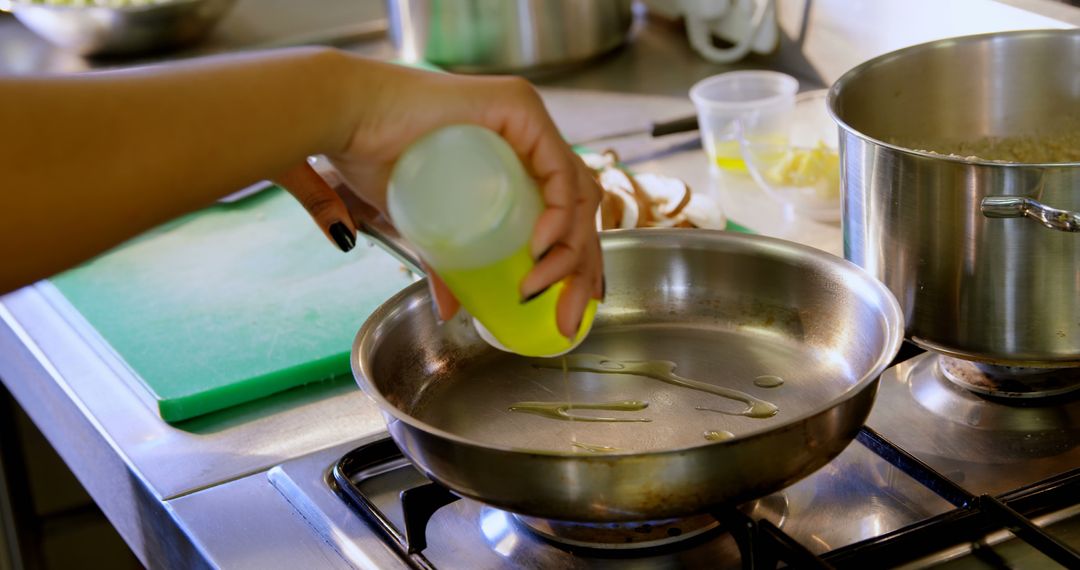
(1021, 207)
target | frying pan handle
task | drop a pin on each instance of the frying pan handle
(1021, 207)
(368, 219)
(375, 226)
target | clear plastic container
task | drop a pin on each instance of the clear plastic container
(761, 101)
(462, 198)
(804, 171)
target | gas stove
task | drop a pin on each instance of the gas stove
(939, 474)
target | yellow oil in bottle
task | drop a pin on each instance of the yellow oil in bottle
(528, 329)
(463, 198)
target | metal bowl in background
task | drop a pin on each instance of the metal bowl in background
(1001, 291)
(113, 31)
(507, 36)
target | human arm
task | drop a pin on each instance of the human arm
(87, 161)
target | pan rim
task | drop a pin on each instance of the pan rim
(892, 316)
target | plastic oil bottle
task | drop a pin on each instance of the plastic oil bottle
(463, 199)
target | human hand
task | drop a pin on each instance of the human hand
(399, 105)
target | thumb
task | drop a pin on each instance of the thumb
(446, 304)
(324, 205)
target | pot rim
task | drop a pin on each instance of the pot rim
(857, 71)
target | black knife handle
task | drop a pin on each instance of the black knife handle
(681, 125)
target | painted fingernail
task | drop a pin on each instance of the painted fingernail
(544, 254)
(534, 295)
(344, 239)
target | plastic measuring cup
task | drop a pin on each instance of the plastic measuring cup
(761, 101)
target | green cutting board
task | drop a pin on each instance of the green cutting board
(232, 303)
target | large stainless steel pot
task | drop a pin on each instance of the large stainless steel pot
(507, 36)
(724, 308)
(972, 285)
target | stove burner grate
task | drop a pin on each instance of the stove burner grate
(761, 543)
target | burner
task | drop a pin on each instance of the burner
(1009, 381)
(619, 536)
(383, 487)
(980, 430)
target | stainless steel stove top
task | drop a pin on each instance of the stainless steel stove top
(986, 446)
(937, 470)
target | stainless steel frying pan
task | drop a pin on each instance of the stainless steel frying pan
(723, 308)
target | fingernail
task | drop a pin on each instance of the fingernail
(534, 295)
(577, 328)
(344, 239)
(544, 254)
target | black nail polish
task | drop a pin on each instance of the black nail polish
(534, 295)
(344, 239)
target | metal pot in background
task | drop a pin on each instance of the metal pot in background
(126, 30)
(507, 36)
(973, 286)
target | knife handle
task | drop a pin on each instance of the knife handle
(681, 125)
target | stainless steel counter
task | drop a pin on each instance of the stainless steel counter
(215, 491)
